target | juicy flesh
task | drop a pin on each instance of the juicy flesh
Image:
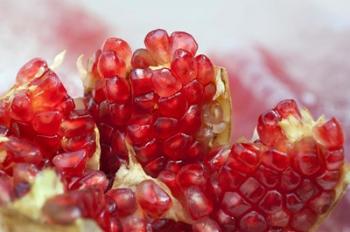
(160, 103)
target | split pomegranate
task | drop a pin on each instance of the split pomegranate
(168, 102)
(166, 166)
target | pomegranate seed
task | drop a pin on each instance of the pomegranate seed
(142, 58)
(206, 225)
(125, 200)
(193, 92)
(268, 177)
(206, 73)
(191, 120)
(157, 42)
(153, 200)
(165, 84)
(182, 40)
(165, 127)
(330, 134)
(21, 108)
(290, 180)
(47, 123)
(268, 129)
(117, 90)
(276, 160)
(306, 190)
(334, 159)
(322, 203)
(197, 203)
(135, 223)
(209, 92)
(191, 175)
(293, 202)
(72, 163)
(141, 81)
(173, 106)
(253, 222)
(252, 190)
(233, 204)
(304, 220)
(24, 172)
(146, 102)
(226, 222)
(184, 66)
(169, 178)
(109, 65)
(147, 152)
(91, 179)
(22, 152)
(32, 69)
(121, 113)
(175, 147)
(328, 180)
(154, 167)
(308, 163)
(119, 46)
(287, 108)
(272, 202)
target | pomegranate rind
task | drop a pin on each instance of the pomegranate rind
(223, 97)
(26, 211)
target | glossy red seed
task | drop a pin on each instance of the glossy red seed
(183, 66)
(253, 222)
(154, 167)
(71, 163)
(191, 120)
(217, 157)
(268, 129)
(193, 92)
(307, 190)
(165, 127)
(268, 177)
(272, 202)
(252, 190)
(140, 132)
(206, 225)
(21, 108)
(21, 151)
(290, 180)
(135, 223)
(304, 220)
(330, 134)
(24, 172)
(287, 108)
(91, 179)
(182, 40)
(276, 160)
(157, 42)
(109, 65)
(119, 46)
(32, 69)
(174, 147)
(152, 198)
(76, 126)
(334, 159)
(226, 222)
(328, 180)
(233, 204)
(197, 203)
(147, 102)
(169, 178)
(195, 151)
(209, 92)
(173, 106)
(141, 81)
(117, 90)
(142, 58)
(308, 163)
(293, 202)
(230, 179)
(47, 123)
(86, 143)
(192, 175)
(147, 152)
(125, 199)
(119, 113)
(206, 72)
(322, 203)
(48, 92)
(165, 84)
(243, 158)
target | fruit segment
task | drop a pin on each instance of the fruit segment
(168, 103)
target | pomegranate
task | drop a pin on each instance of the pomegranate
(166, 165)
(167, 102)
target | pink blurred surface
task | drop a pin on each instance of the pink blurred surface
(272, 51)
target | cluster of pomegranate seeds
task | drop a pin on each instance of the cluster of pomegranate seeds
(42, 125)
(272, 184)
(162, 102)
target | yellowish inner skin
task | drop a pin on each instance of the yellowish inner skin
(296, 129)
